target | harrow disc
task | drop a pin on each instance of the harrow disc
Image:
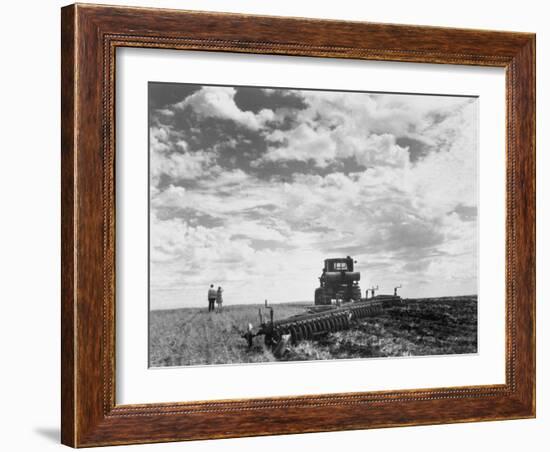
(309, 330)
(332, 323)
(303, 330)
(300, 331)
(293, 334)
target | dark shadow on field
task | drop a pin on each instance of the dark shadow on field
(422, 327)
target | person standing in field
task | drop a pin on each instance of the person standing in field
(219, 298)
(211, 298)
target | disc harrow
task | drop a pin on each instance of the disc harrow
(315, 324)
(337, 304)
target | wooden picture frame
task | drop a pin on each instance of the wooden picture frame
(90, 35)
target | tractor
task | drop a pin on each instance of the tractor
(338, 282)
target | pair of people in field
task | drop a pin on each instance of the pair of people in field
(215, 298)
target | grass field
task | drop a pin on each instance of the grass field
(436, 326)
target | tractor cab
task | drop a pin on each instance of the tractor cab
(344, 264)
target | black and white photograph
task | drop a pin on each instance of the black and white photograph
(292, 224)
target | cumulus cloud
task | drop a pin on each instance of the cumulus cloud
(181, 166)
(339, 125)
(219, 102)
(159, 139)
(169, 157)
(165, 112)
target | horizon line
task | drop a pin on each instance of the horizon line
(303, 301)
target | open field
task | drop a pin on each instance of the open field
(436, 326)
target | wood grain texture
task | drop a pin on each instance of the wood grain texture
(67, 225)
(90, 36)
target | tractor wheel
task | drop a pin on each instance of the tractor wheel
(320, 298)
(356, 293)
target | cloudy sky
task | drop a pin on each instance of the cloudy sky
(252, 188)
